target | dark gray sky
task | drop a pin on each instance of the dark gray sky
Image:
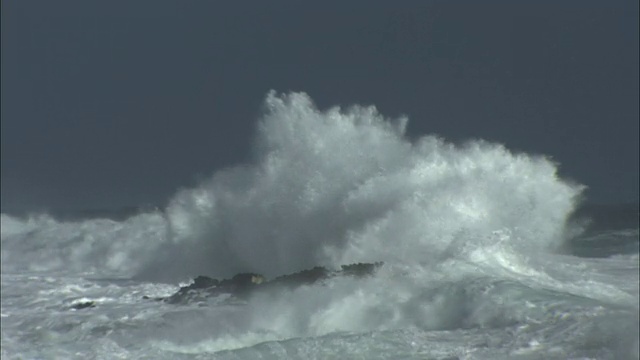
(116, 103)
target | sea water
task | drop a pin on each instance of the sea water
(484, 256)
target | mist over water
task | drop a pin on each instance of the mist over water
(468, 234)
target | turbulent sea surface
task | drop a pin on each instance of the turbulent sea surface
(487, 254)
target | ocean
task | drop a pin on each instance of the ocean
(486, 254)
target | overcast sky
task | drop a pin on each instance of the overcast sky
(111, 103)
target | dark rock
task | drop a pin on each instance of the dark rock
(360, 269)
(83, 305)
(204, 287)
(203, 282)
(242, 285)
(304, 277)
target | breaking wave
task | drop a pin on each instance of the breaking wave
(324, 188)
(341, 186)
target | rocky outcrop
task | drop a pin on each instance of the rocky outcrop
(242, 285)
(82, 304)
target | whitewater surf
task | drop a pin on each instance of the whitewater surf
(477, 245)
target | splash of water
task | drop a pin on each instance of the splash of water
(325, 188)
(341, 186)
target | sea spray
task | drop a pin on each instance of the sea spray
(341, 186)
(324, 188)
